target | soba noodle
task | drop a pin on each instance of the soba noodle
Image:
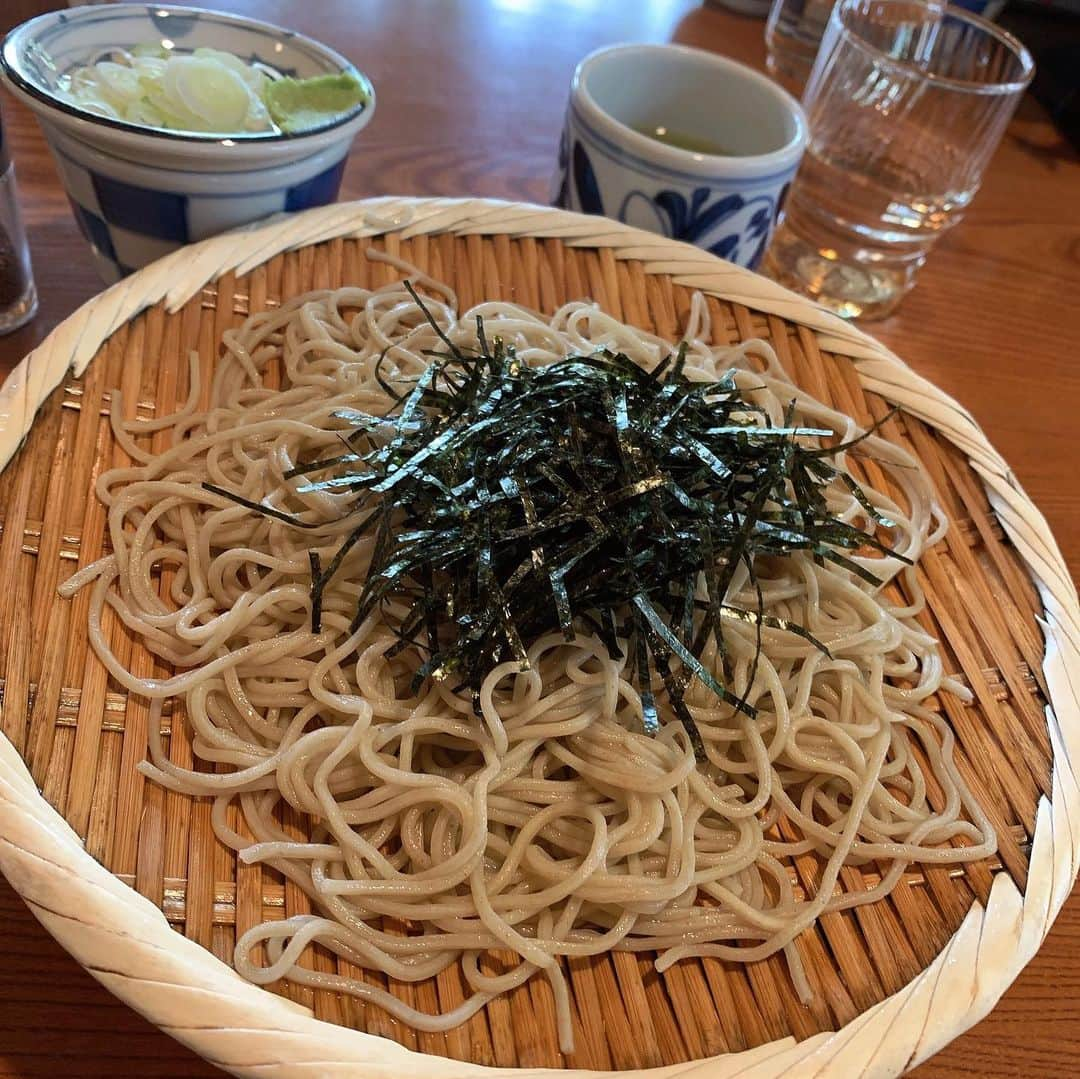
(550, 824)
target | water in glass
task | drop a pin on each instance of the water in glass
(906, 103)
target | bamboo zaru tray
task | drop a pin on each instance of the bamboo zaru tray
(131, 880)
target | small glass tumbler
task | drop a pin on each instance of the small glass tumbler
(18, 297)
(906, 104)
(792, 36)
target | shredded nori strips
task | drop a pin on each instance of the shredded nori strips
(590, 495)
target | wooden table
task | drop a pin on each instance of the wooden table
(471, 95)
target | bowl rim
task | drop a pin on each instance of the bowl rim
(10, 69)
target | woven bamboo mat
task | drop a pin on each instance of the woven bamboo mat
(81, 737)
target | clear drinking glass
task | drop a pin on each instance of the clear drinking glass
(906, 103)
(792, 36)
(18, 297)
(796, 27)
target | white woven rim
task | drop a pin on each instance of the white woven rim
(124, 940)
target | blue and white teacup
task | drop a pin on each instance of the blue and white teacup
(741, 138)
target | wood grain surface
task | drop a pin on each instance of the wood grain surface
(471, 94)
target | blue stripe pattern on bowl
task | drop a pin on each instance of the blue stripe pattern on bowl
(128, 226)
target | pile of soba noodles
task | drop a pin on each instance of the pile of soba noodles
(545, 821)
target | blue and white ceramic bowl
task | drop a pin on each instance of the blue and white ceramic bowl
(140, 192)
(725, 202)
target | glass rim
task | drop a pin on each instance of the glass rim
(992, 30)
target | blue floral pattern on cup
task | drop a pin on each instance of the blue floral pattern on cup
(734, 226)
(724, 226)
(588, 190)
